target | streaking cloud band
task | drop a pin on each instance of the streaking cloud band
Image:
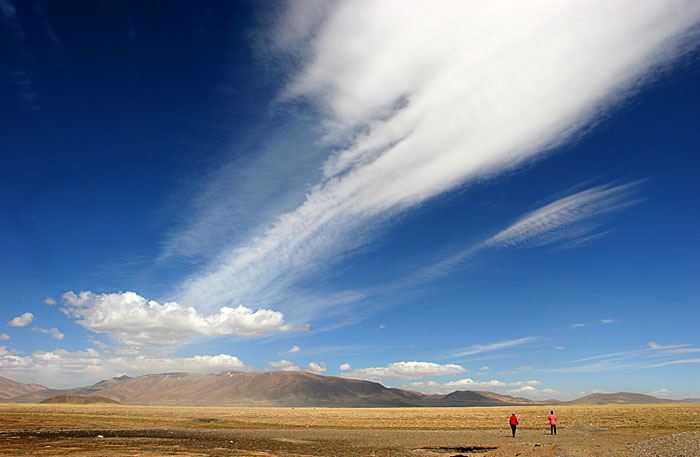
(556, 220)
(417, 99)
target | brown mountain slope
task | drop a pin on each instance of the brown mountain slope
(257, 389)
(10, 388)
(286, 388)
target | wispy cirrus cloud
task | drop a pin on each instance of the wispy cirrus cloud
(568, 220)
(481, 348)
(654, 355)
(408, 96)
(558, 219)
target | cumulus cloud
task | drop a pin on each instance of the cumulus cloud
(495, 385)
(49, 301)
(345, 366)
(50, 331)
(317, 368)
(524, 389)
(61, 368)
(416, 99)
(404, 370)
(135, 321)
(662, 393)
(4, 351)
(21, 321)
(4, 337)
(468, 383)
(282, 365)
(293, 350)
(525, 383)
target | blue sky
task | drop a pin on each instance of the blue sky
(434, 196)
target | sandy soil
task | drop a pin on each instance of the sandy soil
(61, 430)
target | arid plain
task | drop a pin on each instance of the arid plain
(115, 430)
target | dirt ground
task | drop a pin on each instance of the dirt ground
(95, 430)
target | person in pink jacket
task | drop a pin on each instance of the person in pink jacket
(552, 423)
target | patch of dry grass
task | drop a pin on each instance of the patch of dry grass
(664, 418)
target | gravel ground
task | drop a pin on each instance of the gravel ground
(184, 442)
(678, 445)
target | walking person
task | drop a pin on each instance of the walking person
(513, 423)
(552, 423)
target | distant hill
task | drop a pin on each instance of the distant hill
(485, 398)
(282, 388)
(10, 388)
(619, 398)
(72, 400)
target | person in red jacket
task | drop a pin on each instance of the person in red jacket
(552, 423)
(513, 423)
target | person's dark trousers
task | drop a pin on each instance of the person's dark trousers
(513, 427)
(553, 429)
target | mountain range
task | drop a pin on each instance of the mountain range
(284, 388)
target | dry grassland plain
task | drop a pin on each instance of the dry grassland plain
(113, 430)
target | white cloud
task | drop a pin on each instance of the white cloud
(608, 321)
(49, 301)
(557, 220)
(405, 370)
(658, 346)
(293, 350)
(524, 389)
(21, 321)
(662, 393)
(317, 368)
(282, 365)
(411, 95)
(532, 382)
(134, 321)
(51, 331)
(480, 348)
(484, 368)
(4, 351)
(345, 366)
(468, 383)
(526, 367)
(559, 348)
(494, 385)
(578, 325)
(380, 327)
(4, 337)
(60, 368)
